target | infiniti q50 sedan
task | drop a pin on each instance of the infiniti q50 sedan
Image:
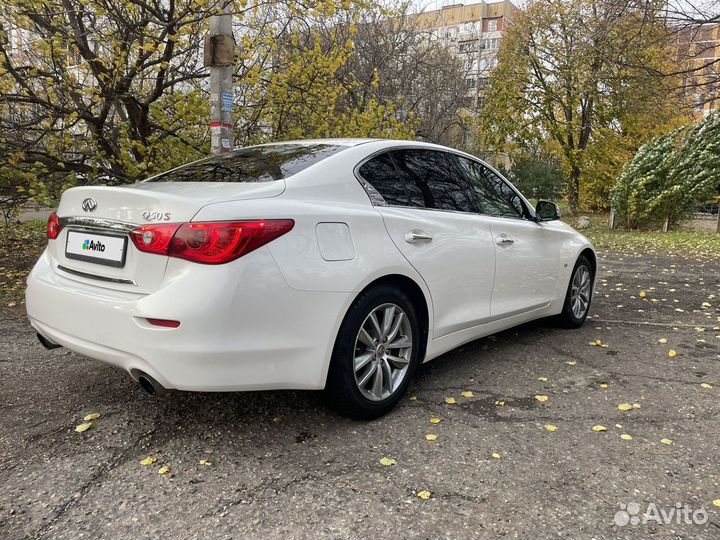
(325, 264)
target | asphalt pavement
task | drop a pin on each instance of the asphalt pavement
(282, 465)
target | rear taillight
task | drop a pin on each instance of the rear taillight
(221, 242)
(154, 238)
(211, 242)
(53, 226)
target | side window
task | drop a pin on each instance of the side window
(494, 196)
(432, 181)
(382, 183)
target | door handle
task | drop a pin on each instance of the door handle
(417, 236)
(504, 240)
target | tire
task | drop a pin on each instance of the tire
(354, 391)
(573, 315)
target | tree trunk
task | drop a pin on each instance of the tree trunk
(574, 190)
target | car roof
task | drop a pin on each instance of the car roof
(331, 141)
(356, 141)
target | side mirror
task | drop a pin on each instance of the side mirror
(546, 211)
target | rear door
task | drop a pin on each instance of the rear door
(527, 254)
(428, 212)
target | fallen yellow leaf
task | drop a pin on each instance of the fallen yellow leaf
(706, 385)
(716, 502)
(204, 462)
(666, 441)
(550, 427)
(643, 294)
(164, 469)
(467, 394)
(424, 494)
(495, 455)
(599, 428)
(603, 385)
(619, 426)
(571, 363)
(435, 421)
(450, 400)
(412, 398)
(387, 461)
(148, 461)
(92, 416)
(671, 353)
(431, 437)
(662, 340)
(542, 398)
(542, 379)
(625, 407)
(626, 437)
(83, 427)
(500, 403)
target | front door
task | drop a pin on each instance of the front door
(527, 254)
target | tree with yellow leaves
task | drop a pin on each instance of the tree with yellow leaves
(586, 79)
(114, 90)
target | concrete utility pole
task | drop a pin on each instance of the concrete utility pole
(219, 55)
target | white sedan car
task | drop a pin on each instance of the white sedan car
(326, 264)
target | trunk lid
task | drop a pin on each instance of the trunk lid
(181, 200)
(112, 211)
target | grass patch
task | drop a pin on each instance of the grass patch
(20, 246)
(695, 245)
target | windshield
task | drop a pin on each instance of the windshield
(253, 164)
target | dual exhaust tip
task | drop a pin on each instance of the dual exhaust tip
(146, 382)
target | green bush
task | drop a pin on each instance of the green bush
(670, 176)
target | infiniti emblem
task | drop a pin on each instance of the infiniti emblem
(89, 204)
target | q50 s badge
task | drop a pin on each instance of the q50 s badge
(153, 215)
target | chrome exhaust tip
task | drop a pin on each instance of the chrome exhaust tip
(45, 342)
(150, 385)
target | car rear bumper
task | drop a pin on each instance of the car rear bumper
(242, 328)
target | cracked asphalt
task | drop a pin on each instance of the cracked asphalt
(281, 465)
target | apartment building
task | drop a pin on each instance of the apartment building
(475, 31)
(699, 52)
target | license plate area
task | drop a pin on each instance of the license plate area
(105, 249)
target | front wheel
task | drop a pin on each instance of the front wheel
(375, 354)
(579, 294)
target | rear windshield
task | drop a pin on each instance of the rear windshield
(254, 164)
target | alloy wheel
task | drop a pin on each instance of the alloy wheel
(383, 350)
(580, 291)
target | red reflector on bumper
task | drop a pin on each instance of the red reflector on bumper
(165, 323)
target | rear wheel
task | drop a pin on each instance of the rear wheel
(375, 354)
(579, 294)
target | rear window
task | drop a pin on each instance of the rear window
(254, 164)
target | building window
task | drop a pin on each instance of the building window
(467, 47)
(470, 82)
(492, 25)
